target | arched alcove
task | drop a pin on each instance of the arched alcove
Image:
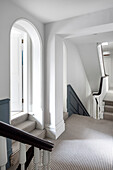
(33, 73)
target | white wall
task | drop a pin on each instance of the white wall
(76, 75)
(111, 85)
(108, 68)
(90, 59)
(76, 26)
(9, 13)
(108, 62)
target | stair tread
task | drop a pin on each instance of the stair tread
(110, 103)
(37, 132)
(108, 113)
(107, 100)
(27, 126)
(108, 116)
(19, 119)
(108, 106)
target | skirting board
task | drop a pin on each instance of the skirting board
(55, 132)
(5, 117)
(101, 115)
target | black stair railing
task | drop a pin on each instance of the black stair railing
(21, 136)
(74, 104)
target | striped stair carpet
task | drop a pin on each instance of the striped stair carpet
(87, 144)
(108, 108)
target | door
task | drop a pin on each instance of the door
(16, 72)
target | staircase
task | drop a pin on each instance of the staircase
(23, 123)
(108, 110)
(108, 107)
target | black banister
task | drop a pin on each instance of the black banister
(101, 80)
(100, 87)
(74, 104)
(11, 132)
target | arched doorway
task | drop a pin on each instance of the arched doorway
(26, 91)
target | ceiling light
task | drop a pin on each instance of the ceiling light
(105, 43)
(106, 53)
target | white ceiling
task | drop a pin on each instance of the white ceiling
(94, 38)
(54, 10)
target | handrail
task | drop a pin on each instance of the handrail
(11, 132)
(101, 80)
(101, 59)
(100, 87)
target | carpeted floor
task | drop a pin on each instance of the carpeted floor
(87, 144)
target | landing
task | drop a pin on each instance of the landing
(86, 144)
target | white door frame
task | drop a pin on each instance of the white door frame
(37, 103)
(64, 77)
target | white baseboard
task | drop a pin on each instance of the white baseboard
(101, 115)
(55, 132)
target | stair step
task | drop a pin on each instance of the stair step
(108, 116)
(65, 115)
(16, 146)
(109, 103)
(19, 119)
(27, 126)
(38, 133)
(108, 108)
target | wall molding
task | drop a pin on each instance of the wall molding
(3, 101)
(74, 104)
(54, 132)
(5, 117)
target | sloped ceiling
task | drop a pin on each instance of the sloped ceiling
(87, 47)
